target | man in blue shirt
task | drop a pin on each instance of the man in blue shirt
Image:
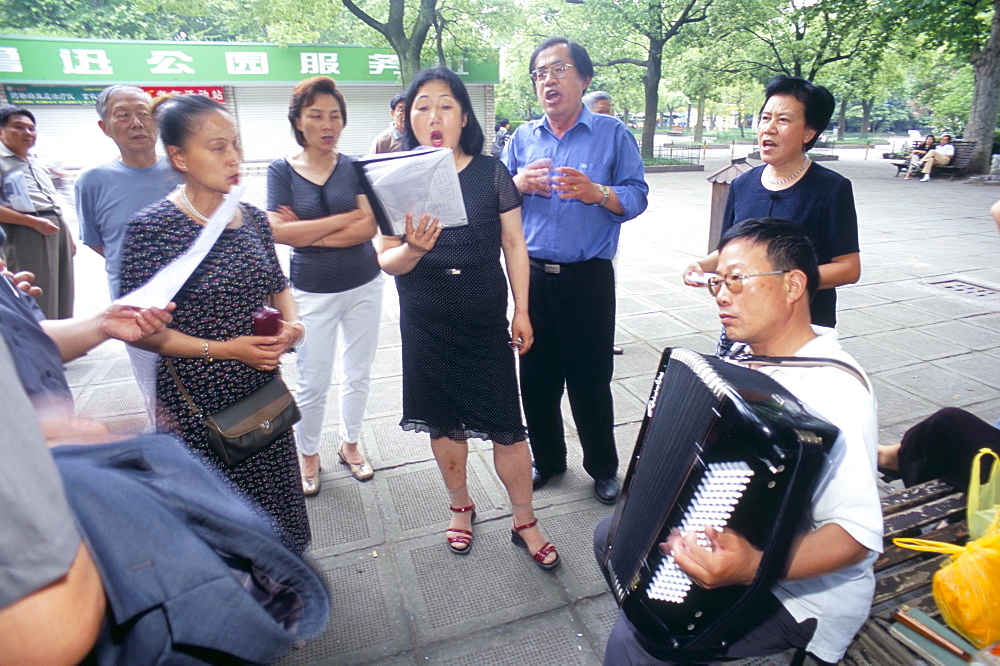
(581, 176)
(108, 195)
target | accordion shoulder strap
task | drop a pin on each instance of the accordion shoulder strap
(803, 362)
(187, 396)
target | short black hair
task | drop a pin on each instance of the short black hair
(817, 100)
(179, 116)
(10, 110)
(581, 59)
(397, 99)
(788, 245)
(471, 140)
(501, 122)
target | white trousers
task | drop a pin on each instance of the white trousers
(355, 315)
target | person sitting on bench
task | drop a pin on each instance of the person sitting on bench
(939, 156)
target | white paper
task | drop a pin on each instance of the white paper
(421, 182)
(167, 281)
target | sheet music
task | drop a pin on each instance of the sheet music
(167, 281)
(421, 182)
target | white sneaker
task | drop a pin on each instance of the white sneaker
(926, 177)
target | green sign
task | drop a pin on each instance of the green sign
(102, 62)
(62, 95)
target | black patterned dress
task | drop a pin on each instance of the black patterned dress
(459, 379)
(217, 303)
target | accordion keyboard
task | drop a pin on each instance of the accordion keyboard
(717, 494)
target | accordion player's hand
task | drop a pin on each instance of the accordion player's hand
(728, 559)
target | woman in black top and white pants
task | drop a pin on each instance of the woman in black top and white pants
(315, 205)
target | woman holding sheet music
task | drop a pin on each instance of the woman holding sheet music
(209, 342)
(314, 204)
(458, 369)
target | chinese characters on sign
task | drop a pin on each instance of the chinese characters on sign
(37, 61)
(217, 93)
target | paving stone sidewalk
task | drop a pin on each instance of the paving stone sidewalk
(923, 321)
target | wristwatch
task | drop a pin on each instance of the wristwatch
(606, 191)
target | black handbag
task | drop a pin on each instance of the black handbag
(248, 425)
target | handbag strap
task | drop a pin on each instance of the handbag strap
(974, 478)
(187, 396)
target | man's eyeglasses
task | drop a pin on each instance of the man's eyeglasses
(558, 71)
(734, 283)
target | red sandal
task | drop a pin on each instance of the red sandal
(541, 554)
(465, 536)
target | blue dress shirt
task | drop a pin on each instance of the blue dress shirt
(568, 230)
(36, 357)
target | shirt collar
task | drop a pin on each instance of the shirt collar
(586, 118)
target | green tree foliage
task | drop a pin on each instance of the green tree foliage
(969, 29)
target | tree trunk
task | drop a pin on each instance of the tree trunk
(651, 86)
(699, 123)
(841, 119)
(985, 97)
(866, 116)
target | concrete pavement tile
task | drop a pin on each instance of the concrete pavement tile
(344, 516)
(598, 614)
(964, 334)
(389, 445)
(637, 361)
(685, 297)
(875, 356)
(938, 385)
(103, 399)
(639, 284)
(704, 318)
(952, 307)
(980, 367)
(571, 528)
(913, 342)
(863, 322)
(386, 397)
(454, 595)
(115, 370)
(655, 326)
(550, 638)
(415, 502)
(628, 408)
(896, 404)
(81, 371)
(629, 305)
(849, 298)
(907, 316)
(368, 617)
(388, 362)
(572, 485)
(876, 274)
(893, 292)
(129, 424)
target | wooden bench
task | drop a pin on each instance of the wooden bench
(904, 576)
(963, 155)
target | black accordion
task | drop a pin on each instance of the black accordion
(720, 445)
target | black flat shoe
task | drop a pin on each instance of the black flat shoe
(539, 479)
(606, 490)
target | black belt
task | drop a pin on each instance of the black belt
(52, 211)
(555, 268)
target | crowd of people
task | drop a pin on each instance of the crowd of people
(544, 215)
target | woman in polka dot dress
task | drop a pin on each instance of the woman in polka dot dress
(209, 341)
(459, 379)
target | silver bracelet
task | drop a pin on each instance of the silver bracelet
(299, 322)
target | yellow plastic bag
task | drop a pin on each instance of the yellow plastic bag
(967, 588)
(983, 498)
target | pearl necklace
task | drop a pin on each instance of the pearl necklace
(781, 181)
(190, 206)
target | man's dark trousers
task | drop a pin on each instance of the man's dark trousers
(573, 316)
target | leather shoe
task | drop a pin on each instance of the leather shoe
(606, 490)
(539, 479)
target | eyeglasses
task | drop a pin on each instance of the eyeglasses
(734, 283)
(558, 71)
